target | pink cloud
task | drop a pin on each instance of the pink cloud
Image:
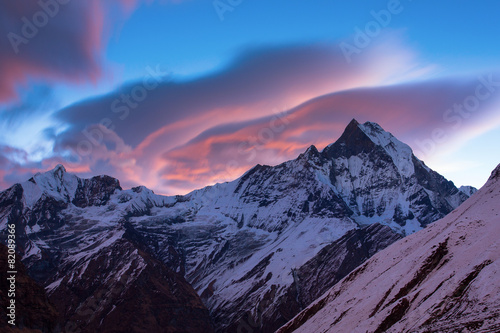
(53, 43)
(186, 135)
(410, 112)
(255, 85)
(172, 161)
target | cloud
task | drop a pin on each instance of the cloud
(159, 112)
(172, 163)
(260, 77)
(53, 40)
(176, 135)
(15, 166)
(252, 85)
(412, 112)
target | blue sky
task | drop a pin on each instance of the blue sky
(190, 39)
(237, 65)
(191, 33)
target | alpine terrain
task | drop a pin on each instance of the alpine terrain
(246, 255)
(441, 279)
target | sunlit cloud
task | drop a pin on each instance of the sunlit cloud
(227, 150)
(53, 42)
(176, 135)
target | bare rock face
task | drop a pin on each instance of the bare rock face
(34, 311)
(95, 191)
(256, 250)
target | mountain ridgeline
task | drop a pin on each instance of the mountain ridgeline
(441, 279)
(246, 255)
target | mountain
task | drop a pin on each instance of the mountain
(246, 247)
(92, 263)
(467, 190)
(441, 279)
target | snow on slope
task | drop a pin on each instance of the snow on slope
(468, 190)
(444, 278)
(56, 183)
(237, 243)
(400, 152)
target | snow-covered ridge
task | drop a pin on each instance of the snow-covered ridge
(56, 183)
(441, 279)
(400, 152)
(68, 188)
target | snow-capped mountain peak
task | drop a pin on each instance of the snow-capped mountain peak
(400, 152)
(368, 137)
(56, 183)
(441, 279)
(240, 244)
(66, 188)
(468, 190)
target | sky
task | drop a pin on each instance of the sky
(179, 94)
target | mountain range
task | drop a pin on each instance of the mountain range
(241, 256)
(441, 279)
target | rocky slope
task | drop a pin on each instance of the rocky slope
(34, 312)
(94, 266)
(295, 209)
(315, 277)
(441, 279)
(241, 245)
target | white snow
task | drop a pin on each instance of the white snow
(362, 300)
(53, 285)
(56, 183)
(400, 152)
